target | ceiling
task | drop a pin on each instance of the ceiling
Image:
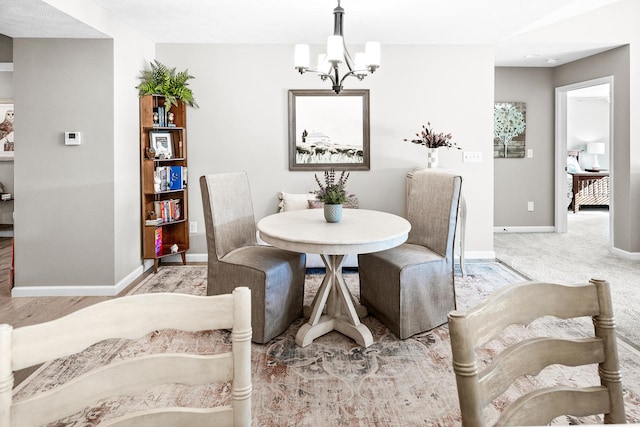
(482, 22)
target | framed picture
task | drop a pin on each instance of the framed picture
(7, 136)
(162, 143)
(328, 130)
(509, 128)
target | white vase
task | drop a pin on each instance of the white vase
(432, 158)
(332, 213)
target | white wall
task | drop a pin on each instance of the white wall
(242, 124)
(588, 121)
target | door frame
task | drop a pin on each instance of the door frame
(561, 211)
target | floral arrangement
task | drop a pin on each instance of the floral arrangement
(430, 139)
(332, 192)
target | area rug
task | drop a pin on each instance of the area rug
(333, 381)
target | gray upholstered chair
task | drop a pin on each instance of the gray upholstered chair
(275, 276)
(410, 288)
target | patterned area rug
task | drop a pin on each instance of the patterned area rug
(333, 381)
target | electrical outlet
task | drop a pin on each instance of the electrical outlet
(472, 156)
(530, 206)
(193, 227)
(529, 153)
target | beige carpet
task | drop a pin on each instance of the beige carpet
(332, 382)
(576, 256)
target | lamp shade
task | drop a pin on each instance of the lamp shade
(595, 148)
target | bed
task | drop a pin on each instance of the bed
(585, 188)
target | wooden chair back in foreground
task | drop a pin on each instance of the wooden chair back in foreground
(522, 304)
(132, 317)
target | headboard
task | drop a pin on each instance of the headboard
(574, 153)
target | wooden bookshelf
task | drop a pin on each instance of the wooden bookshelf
(168, 198)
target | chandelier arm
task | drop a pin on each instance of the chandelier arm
(322, 74)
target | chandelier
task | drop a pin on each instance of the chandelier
(328, 64)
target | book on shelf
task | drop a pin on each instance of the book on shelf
(168, 210)
(5, 196)
(158, 240)
(175, 177)
(171, 178)
(156, 221)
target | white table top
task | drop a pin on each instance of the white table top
(359, 231)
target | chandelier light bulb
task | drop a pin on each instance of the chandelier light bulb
(372, 49)
(301, 56)
(335, 48)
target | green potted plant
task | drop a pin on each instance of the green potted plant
(165, 81)
(333, 194)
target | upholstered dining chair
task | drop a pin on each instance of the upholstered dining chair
(131, 317)
(521, 304)
(275, 276)
(410, 288)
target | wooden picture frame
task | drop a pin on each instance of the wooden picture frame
(7, 136)
(162, 143)
(328, 130)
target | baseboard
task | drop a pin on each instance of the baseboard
(79, 291)
(525, 229)
(634, 256)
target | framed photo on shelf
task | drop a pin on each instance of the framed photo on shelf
(162, 143)
(7, 136)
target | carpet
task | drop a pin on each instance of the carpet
(577, 256)
(333, 381)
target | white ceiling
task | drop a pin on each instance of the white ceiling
(491, 22)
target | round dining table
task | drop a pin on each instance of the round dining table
(359, 231)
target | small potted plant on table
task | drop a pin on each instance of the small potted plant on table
(333, 194)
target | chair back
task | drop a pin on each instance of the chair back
(432, 210)
(228, 212)
(521, 304)
(133, 317)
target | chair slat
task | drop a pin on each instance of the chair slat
(522, 303)
(128, 377)
(532, 356)
(191, 417)
(542, 406)
(130, 317)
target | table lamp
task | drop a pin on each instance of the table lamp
(595, 148)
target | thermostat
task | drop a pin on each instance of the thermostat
(72, 138)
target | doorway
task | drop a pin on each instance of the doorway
(589, 139)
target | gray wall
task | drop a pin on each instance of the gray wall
(625, 176)
(539, 86)
(64, 217)
(242, 124)
(518, 181)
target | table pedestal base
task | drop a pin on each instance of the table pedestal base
(343, 312)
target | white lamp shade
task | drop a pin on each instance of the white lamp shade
(372, 49)
(301, 56)
(335, 48)
(595, 148)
